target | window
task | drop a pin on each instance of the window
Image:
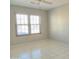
(35, 24)
(27, 25)
(22, 24)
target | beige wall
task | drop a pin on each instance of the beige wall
(58, 23)
(17, 9)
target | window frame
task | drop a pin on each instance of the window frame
(16, 25)
(29, 25)
(36, 24)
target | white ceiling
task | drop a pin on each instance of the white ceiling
(44, 6)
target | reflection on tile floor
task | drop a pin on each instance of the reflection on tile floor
(43, 49)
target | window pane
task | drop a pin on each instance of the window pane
(22, 19)
(26, 29)
(35, 29)
(34, 19)
(18, 20)
(26, 19)
(37, 20)
(19, 30)
(22, 29)
(31, 19)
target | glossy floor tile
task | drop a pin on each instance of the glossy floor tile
(41, 49)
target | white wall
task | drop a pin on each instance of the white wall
(20, 39)
(58, 23)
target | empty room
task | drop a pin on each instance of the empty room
(39, 29)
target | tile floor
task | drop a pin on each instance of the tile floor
(42, 49)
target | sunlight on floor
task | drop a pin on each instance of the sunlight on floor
(43, 49)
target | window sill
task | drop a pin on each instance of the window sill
(27, 34)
